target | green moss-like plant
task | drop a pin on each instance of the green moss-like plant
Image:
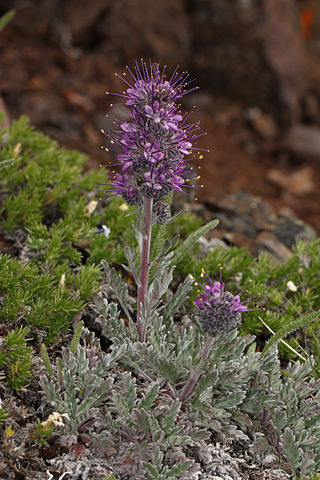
(39, 298)
(46, 199)
(15, 359)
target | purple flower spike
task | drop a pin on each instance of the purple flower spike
(218, 310)
(155, 140)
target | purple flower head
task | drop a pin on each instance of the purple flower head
(155, 139)
(165, 117)
(218, 310)
(125, 185)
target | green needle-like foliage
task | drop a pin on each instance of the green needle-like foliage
(39, 298)
(45, 203)
(16, 358)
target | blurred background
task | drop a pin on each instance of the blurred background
(257, 63)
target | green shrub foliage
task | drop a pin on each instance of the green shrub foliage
(15, 358)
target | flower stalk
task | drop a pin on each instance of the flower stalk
(218, 312)
(145, 264)
(151, 147)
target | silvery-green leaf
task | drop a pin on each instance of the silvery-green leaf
(149, 397)
(230, 401)
(290, 327)
(118, 285)
(291, 449)
(177, 298)
(139, 237)
(183, 249)
(133, 262)
(6, 18)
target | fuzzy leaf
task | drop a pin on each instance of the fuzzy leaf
(129, 397)
(231, 401)
(171, 416)
(46, 360)
(290, 327)
(149, 397)
(118, 285)
(291, 448)
(111, 358)
(279, 420)
(181, 467)
(184, 248)
(76, 338)
(141, 419)
(153, 471)
(133, 262)
(177, 298)
(158, 288)
(139, 236)
(6, 18)
(205, 382)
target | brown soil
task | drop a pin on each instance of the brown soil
(57, 59)
(61, 87)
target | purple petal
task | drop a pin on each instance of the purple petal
(148, 110)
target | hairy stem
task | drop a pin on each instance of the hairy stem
(195, 373)
(145, 266)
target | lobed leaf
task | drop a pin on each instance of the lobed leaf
(186, 246)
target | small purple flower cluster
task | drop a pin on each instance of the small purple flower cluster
(218, 310)
(155, 139)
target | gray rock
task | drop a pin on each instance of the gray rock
(268, 242)
(210, 245)
(288, 231)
